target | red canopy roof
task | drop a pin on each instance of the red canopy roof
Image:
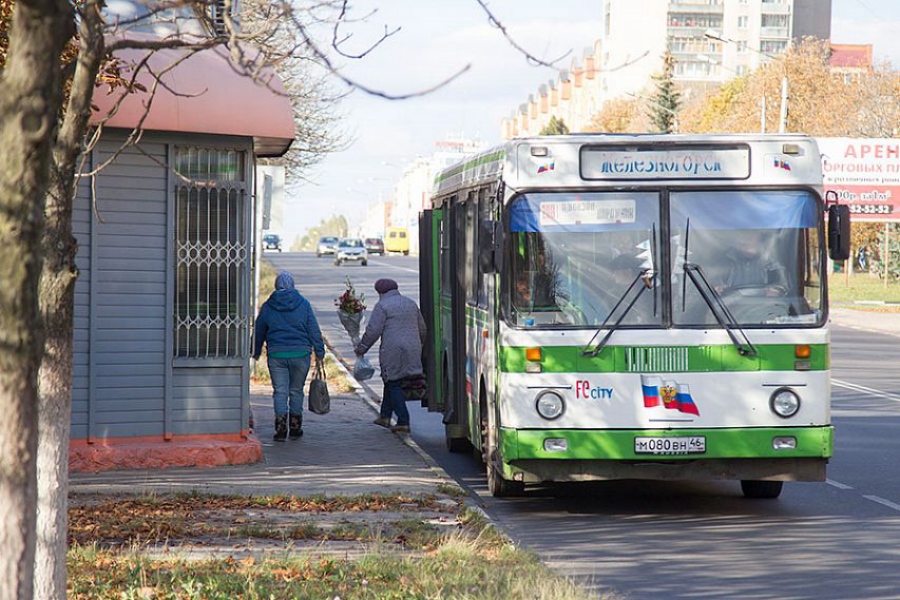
(204, 93)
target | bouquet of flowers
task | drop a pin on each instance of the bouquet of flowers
(350, 310)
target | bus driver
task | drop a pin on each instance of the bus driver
(751, 266)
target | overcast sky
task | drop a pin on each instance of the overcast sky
(437, 40)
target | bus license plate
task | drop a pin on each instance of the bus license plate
(695, 444)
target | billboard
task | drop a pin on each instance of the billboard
(865, 175)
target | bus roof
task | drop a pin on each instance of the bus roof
(612, 160)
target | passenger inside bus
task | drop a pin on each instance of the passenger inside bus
(532, 291)
(523, 297)
(561, 279)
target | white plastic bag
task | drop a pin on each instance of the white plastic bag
(363, 369)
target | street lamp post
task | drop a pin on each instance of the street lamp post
(762, 114)
(782, 121)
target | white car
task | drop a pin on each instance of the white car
(351, 250)
(327, 245)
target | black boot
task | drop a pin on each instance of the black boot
(280, 428)
(296, 426)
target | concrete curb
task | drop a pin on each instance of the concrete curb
(367, 395)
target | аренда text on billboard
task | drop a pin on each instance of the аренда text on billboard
(865, 175)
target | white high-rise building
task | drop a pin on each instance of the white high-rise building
(711, 40)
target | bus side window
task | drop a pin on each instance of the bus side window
(446, 272)
(470, 264)
(481, 278)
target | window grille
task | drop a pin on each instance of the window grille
(217, 11)
(211, 254)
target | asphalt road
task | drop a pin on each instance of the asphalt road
(654, 540)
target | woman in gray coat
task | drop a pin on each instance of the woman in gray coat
(397, 320)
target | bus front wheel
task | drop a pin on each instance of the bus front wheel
(761, 489)
(497, 485)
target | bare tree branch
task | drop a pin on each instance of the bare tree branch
(532, 59)
(337, 41)
(326, 61)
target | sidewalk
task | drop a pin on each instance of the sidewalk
(866, 320)
(341, 453)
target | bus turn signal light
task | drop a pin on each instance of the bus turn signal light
(802, 351)
(533, 354)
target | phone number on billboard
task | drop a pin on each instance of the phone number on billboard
(871, 209)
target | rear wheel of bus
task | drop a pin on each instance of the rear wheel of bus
(761, 489)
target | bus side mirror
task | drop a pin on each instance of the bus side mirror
(839, 232)
(488, 246)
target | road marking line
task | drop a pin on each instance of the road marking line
(390, 266)
(838, 485)
(884, 502)
(866, 390)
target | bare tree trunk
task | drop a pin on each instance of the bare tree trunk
(54, 414)
(58, 304)
(57, 293)
(30, 101)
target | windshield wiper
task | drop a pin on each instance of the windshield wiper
(719, 309)
(645, 277)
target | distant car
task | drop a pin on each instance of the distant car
(374, 246)
(327, 245)
(351, 250)
(271, 242)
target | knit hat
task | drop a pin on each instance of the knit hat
(284, 281)
(383, 286)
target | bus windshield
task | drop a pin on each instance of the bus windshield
(594, 259)
(758, 250)
(574, 257)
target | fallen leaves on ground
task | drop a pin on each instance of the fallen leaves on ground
(207, 519)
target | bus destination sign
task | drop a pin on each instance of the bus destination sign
(618, 163)
(587, 212)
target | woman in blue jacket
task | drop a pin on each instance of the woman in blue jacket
(288, 326)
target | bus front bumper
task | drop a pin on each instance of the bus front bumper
(783, 454)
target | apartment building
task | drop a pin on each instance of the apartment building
(573, 97)
(712, 41)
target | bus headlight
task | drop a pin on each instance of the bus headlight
(550, 405)
(784, 402)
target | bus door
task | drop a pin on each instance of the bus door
(455, 412)
(429, 302)
(481, 232)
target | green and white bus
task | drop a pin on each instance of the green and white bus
(634, 307)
